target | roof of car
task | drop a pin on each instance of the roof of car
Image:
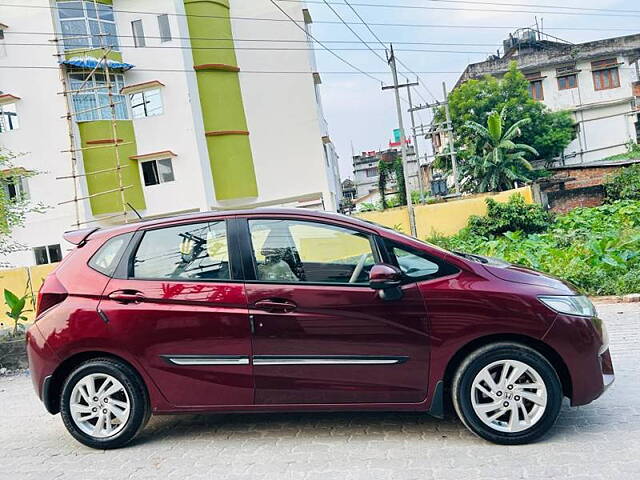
(301, 212)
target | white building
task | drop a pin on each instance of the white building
(366, 172)
(199, 120)
(596, 81)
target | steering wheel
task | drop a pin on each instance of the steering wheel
(358, 270)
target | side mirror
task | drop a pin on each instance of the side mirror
(383, 277)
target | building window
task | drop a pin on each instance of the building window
(92, 103)
(605, 74)
(157, 171)
(371, 172)
(87, 24)
(8, 117)
(567, 77)
(138, 33)
(48, 254)
(165, 29)
(15, 188)
(147, 103)
(535, 89)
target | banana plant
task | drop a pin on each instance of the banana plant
(16, 309)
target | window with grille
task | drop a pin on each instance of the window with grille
(91, 101)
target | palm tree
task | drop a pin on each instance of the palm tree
(502, 163)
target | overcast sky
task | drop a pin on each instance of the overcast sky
(360, 114)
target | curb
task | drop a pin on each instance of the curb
(631, 298)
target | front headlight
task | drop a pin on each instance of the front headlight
(604, 333)
(570, 304)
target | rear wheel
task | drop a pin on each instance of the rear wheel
(104, 403)
(507, 393)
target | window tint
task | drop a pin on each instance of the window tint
(106, 259)
(193, 252)
(419, 265)
(293, 251)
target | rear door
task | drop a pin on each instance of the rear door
(178, 303)
(322, 335)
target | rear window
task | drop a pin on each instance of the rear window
(106, 259)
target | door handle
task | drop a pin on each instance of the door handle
(275, 305)
(126, 296)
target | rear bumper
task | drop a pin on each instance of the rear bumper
(42, 363)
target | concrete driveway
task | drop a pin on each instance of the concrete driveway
(601, 440)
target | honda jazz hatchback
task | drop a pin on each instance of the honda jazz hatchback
(292, 310)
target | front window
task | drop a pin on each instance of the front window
(192, 252)
(605, 74)
(47, 254)
(290, 251)
(91, 98)
(156, 172)
(147, 103)
(8, 117)
(418, 265)
(87, 24)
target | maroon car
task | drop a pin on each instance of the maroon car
(274, 310)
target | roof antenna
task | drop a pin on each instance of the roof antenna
(135, 211)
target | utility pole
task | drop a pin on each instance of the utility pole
(452, 152)
(391, 60)
(415, 145)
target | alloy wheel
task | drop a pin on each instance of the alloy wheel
(509, 396)
(99, 405)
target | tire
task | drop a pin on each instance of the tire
(479, 403)
(120, 403)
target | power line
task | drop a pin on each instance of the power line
(278, 72)
(382, 43)
(306, 32)
(574, 11)
(301, 49)
(267, 40)
(406, 25)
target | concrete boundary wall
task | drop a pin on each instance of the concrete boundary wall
(446, 218)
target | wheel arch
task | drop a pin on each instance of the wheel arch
(545, 350)
(51, 395)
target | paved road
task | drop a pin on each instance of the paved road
(599, 441)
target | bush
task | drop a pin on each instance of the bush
(514, 215)
(596, 249)
(624, 185)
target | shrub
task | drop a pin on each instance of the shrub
(514, 215)
(624, 184)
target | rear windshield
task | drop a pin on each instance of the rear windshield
(106, 259)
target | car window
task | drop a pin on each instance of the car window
(289, 251)
(193, 252)
(417, 264)
(106, 259)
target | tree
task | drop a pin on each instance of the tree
(13, 211)
(502, 162)
(547, 132)
(389, 167)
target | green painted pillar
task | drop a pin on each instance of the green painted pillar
(223, 113)
(99, 154)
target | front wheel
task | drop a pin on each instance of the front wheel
(104, 403)
(507, 393)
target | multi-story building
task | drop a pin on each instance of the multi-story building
(593, 80)
(171, 106)
(366, 171)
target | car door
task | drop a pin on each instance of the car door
(321, 334)
(178, 304)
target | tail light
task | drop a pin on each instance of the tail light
(51, 293)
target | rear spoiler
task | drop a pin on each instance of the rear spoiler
(79, 237)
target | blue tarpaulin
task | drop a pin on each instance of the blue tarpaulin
(92, 62)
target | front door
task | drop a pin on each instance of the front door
(322, 336)
(183, 313)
